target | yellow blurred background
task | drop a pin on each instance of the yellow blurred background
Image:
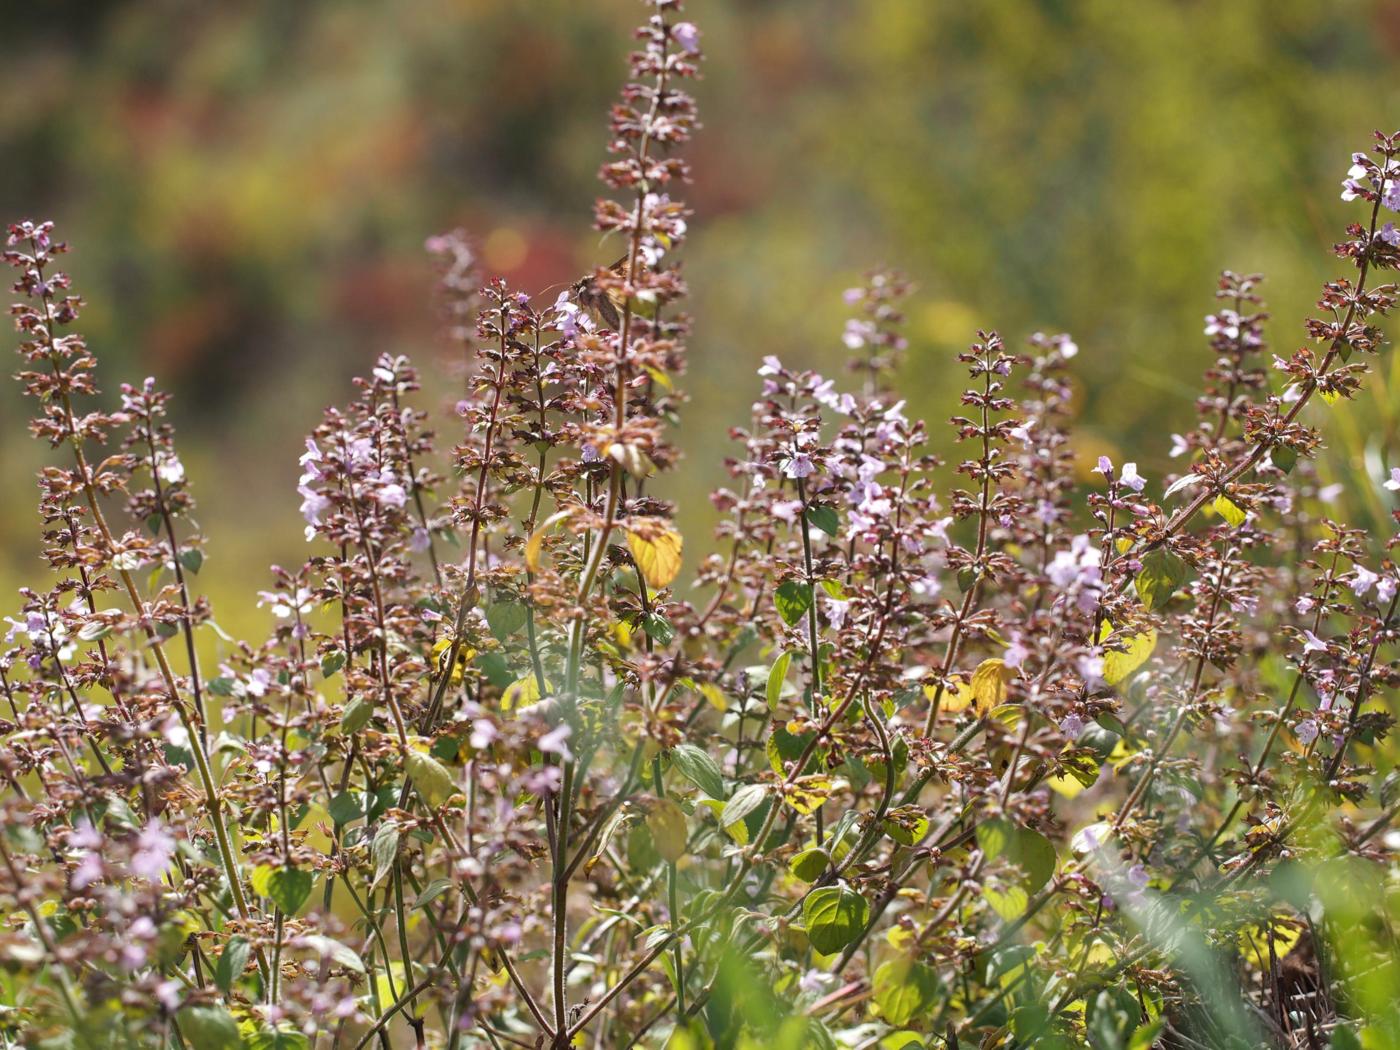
(248, 186)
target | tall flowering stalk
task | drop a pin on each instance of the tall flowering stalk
(1060, 756)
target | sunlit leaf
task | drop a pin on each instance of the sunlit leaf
(656, 548)
(905, 989)
(834, 917)
(666, 822)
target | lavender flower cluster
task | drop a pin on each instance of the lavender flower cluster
(1052, 757)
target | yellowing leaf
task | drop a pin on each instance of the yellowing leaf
(1117, 666)
(433, 780)
(656, 549)
(1254, 940)
(957, 697)
(666, 822)
(1065, 787)
(1227, 509)
(809, 792)
(522, 693)
(465, 655)
(715, 695)
(536, 540)
(989, 684)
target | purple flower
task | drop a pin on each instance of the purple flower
(1306, 731)
(1179, 446)
(1314, 644)
(1390, 194)
(1394, 483)
(687, 35)
(1106, 466)
(1385, 588)
(154, 848)
(799, 465)
(1390, 235)
(1071, 726)
(1362, 580)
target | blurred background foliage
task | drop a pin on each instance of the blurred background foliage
(249, 185)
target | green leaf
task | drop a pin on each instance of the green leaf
(1036, 856)
(747, 799)
(432, 891)
(505, 618)
(1010, 903)
(834, 916)
(658, 628)
(430, 777)
(1284, 458)
(776, 677)
(994, 837)
(209, 1028)
(699, 768)
(270, 1039)
(192, 560)
(810, 864)
(383, 851)
(793, 599)
(835, 591)
(905, 989)
(334, 950)
(1029, 850)
(824, 518)
(906, 824)
(1161, 574)
(288, 888)
(356, 715)
(232, 962)
(331, 663)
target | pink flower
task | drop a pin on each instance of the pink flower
(553, 742)
(154, 848)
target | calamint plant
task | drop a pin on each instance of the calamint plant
(1019, 751)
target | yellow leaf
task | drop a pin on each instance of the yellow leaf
(715, 695)
(809, 792)
(465, 655)
(536, 540)
(1254, 940)
(656, 549)
(955, 698)
(1065, 787)
(989, 684)
(1117, 666)
(522, 692)
(1227, 509)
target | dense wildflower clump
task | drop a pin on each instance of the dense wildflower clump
(1041, 756)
